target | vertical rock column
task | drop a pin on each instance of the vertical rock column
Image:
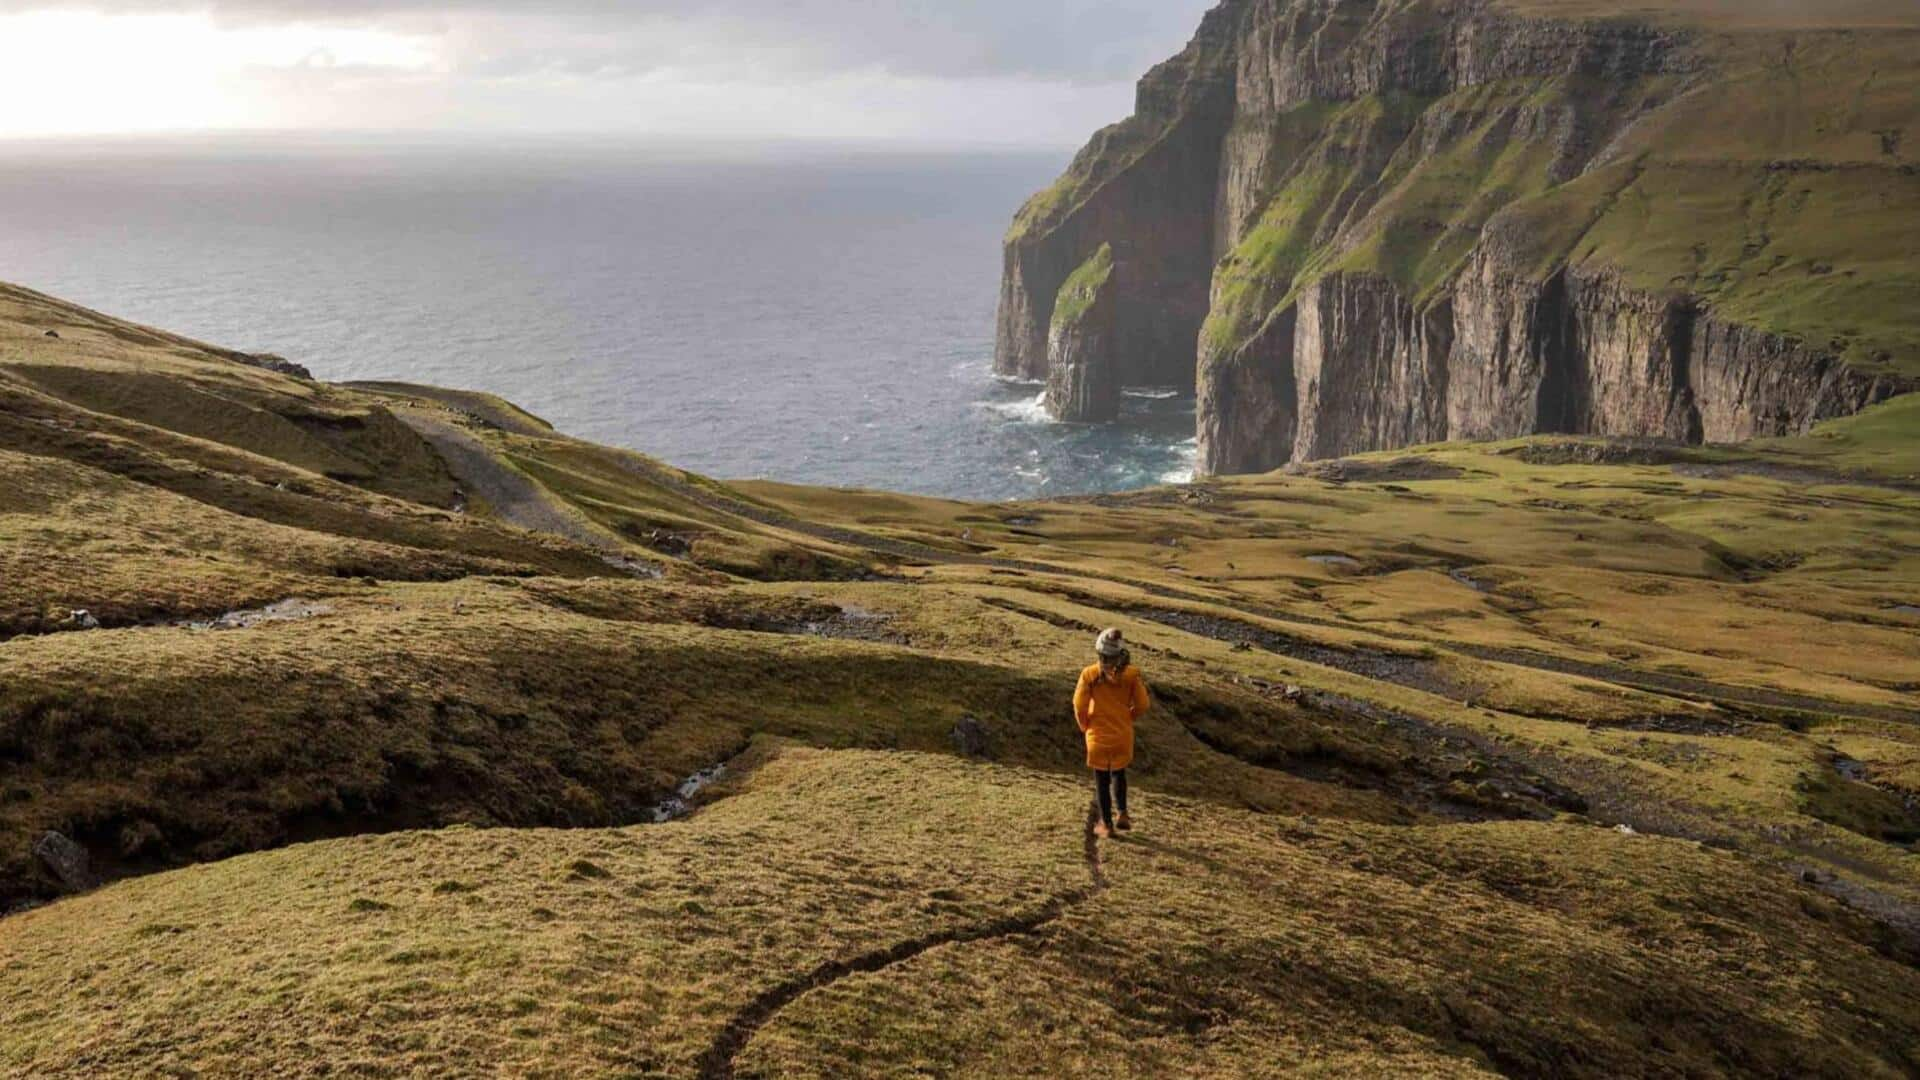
(1369, 369)
(1248, 404)
(1083, 385)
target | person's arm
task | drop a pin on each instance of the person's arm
(1083, 703)
(1141, 702)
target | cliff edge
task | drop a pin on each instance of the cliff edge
(1353, 225)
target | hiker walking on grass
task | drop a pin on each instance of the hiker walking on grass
(1110, 698)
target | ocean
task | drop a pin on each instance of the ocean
(819, 314)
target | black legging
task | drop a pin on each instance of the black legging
(1112, 786)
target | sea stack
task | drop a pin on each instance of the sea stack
(1082, 385)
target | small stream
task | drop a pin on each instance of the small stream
(681, 801)
(1344, 561)
(1460, 575)
(289, 610)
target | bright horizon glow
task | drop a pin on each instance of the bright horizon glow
(86, 73)
(664, 68)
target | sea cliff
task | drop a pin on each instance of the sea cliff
(1354, 225)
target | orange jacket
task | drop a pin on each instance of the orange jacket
(1106, 710)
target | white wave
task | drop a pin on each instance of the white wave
(1189, 451)
(1034, 475)
(1152, 393)
(1031, 410)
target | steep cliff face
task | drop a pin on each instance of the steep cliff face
(1368, 368)
(1360, 224)
(1144, 187)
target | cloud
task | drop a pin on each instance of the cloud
(988, 71)
(1072, 41)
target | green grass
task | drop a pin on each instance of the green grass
(1882, 440)
(1773, 200)
(1083, 287)
(1225, 943)
(283, 807)
(1267, 262)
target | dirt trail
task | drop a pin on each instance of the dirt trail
(1687, 686)
(717, 1063)
(516, 498)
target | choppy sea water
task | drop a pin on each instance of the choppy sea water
(817, 314)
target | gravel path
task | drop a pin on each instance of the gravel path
(517, 499)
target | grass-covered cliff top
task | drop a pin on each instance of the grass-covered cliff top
(1738, 15)
(1109, 153)
(1083, 287)
(401, 824)
(852, 912)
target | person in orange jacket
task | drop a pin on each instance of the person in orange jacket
(1110, 698)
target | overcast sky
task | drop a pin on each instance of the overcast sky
(1014, 71)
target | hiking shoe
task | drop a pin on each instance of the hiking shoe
(1123, 823)
(1100, 830)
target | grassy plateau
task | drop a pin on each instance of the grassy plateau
(1556, 757)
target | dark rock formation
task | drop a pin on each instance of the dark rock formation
(971, 738)
(1353, 225)
(1368, 369)
(273, 362)
(66, 860)
(266, 362)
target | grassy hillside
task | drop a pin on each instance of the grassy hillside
(844, 913)
(1551, 757)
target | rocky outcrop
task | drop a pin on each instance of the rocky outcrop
(276, 363)
(1082, 383)
(1582, 352)
(1748, 383)
(971, 738)
(1506, 330)
(1354, 225)
(1247, 410)
(65, 860)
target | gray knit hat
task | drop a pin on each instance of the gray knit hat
(1110, 642)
